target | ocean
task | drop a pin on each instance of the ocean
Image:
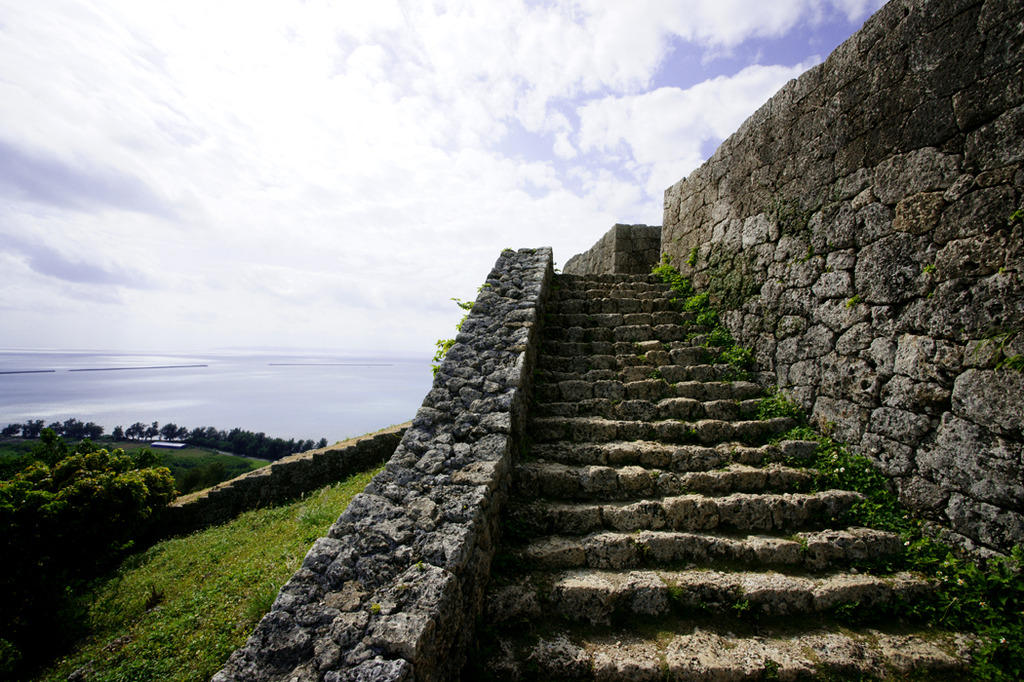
(294, 394)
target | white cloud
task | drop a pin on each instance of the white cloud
(329, 173)
(665, 129)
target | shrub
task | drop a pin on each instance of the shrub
(65, 518)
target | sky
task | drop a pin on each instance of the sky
(197, 175)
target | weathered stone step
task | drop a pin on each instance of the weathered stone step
(738, 511)
(555, 387)
(580, 364)
(575, 350)
(598, 596)
(813, 550)
(674, 457)
(596, 309)
(624, 332)
(698, 653)
(669, 408)
(705, 431)
(566, 482)
(564, 289)
(657, 314)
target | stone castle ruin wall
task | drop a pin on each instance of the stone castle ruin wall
(860, 229)
(860, 232)
(286, 479)
(393, 591)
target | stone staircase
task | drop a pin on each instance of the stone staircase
(655, 534)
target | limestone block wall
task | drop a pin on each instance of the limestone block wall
(624, 249)
(393, 591)
(285, 479)
(863, 231)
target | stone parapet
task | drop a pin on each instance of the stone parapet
(393, 591)
(285, 479)
(624, 249)
(863, 231)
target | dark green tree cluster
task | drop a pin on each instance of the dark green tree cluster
(237, 441)
(242, 442)
(70, 428)
(64, 518)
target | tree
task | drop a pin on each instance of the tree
(93, 431)
(169, 431)
(117, 434)
(72, 428)
(136, 431)
(32, 428)
(153, 430)
(11, 430)
(67, 517)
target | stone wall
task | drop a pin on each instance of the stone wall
(624, 249)
(393, 592)
(862, 231)
(285, 479)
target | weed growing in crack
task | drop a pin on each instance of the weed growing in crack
(717, 337)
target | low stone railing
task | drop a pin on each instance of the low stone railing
(394, 590)
(285, 479)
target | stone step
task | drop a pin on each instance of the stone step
(598, 596)
(566, 289)
(735, 512)
(674, 457)
(609, 279)
(656, 313)
(669, 408)
(566, 482)
(704, 431)
(624, 332)
(662, 307)
(812, 550)
(575, 350)
(696, 652)
(604, 384)
(581, 364)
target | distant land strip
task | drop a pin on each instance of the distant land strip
(27, 371)
(118, 369)
(330, 364)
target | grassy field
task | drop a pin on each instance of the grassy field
(175, 612)
(197, 468)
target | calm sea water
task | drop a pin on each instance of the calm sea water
(298, 395)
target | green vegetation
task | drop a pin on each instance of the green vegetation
(775, 404)
(692, 259)
(1016, 217)
(986, 598)
(237, 441)
(197, 469)
(791, 217)
(176, 611)
(718, 341)
(69, 514)
(192, 468)
(998, 341)
(854, 300)
(443, 345)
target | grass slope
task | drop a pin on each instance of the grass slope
(175, 612)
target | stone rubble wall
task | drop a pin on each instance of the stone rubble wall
(393, 591)
(624, 249)
(860, 230)
(285, 479)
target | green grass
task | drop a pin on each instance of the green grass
(175, 612)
